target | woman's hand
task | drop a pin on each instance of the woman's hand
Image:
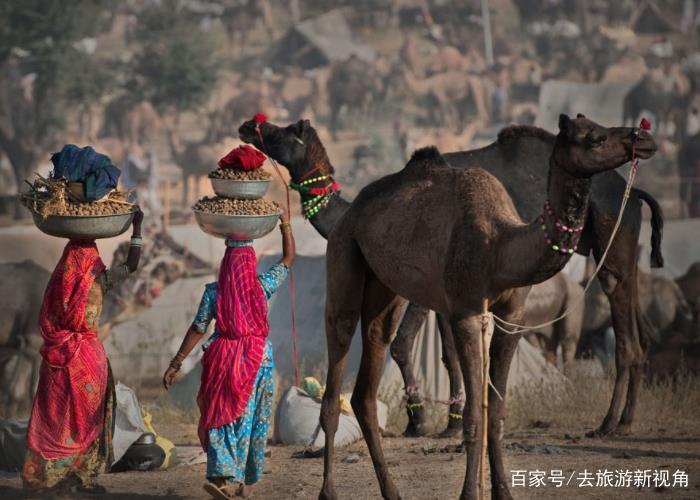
(138, 219)
(168, 377)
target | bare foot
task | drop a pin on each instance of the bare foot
(244, 490)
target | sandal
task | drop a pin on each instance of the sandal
(218, 492)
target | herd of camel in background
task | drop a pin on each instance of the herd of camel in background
(437, 94)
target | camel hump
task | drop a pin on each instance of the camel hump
(428, 156)
(514, 132)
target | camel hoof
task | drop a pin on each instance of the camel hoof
(413, 431)
(328, 493)
(599, 433)
(501, 493)
(622, 430)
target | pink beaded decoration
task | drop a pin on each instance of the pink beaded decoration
(560, 226)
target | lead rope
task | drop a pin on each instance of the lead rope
(292, 301)
(500, 323)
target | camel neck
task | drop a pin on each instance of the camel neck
(330, 210)
(548, 241)
(326, 218)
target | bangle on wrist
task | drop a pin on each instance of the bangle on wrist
(136, 241)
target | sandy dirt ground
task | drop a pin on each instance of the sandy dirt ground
(423, 470)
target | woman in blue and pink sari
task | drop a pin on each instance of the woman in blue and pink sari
(236, 391)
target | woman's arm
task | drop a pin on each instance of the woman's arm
(288, 244)
(205, 315)
(192, 338)
(132, 259)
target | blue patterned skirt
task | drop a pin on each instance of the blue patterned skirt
(237, 450)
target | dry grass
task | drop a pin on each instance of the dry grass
(672, 405)
(665, 404)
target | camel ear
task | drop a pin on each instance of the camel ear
(566, 127)
(580, 115)
(301, 127)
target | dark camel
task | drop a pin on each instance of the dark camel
(299, 149)
(448, 239)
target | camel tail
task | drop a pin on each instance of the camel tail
(657, 227)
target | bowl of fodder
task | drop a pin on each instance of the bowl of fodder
(236, 218)
(58, 212)
(233, 183)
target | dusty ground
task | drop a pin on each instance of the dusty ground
(423, 472)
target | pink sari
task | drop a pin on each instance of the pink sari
(231, 362)
(69, 405)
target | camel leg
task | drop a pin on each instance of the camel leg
(503, 347)
(401, 349)
(345, 283)
(380, 314)
(467, 336)
(641, 351)
(451, 361)
(618, 278)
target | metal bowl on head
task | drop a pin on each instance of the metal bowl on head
(234, 188)
(236, 227)
(80, 227)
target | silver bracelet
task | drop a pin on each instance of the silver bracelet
(136, 241)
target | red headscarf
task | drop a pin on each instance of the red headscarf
(231, 363)
(68, 411)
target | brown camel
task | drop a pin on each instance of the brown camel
(689, 284)
(353, 84)
(449, 90)
(551, 299)
(519, 158)
(425, 233)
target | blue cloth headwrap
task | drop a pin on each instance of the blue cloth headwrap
(96, 171)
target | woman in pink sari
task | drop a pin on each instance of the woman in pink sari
(236, 391)
(69, 436)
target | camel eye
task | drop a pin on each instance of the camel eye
(596, 139)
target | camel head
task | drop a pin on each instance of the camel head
(296, 146)
(584, 148)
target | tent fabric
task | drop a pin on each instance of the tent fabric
(600, 102)
(678, 249)
(319, 41)
(140, 349)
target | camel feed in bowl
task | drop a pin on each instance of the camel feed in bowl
(57, 212)
(240, 175)
(77, 227)
(233, 188)
(238, 219)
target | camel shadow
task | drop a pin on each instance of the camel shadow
(9, 493)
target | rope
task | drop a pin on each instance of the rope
(292, 294)
(501, 323)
